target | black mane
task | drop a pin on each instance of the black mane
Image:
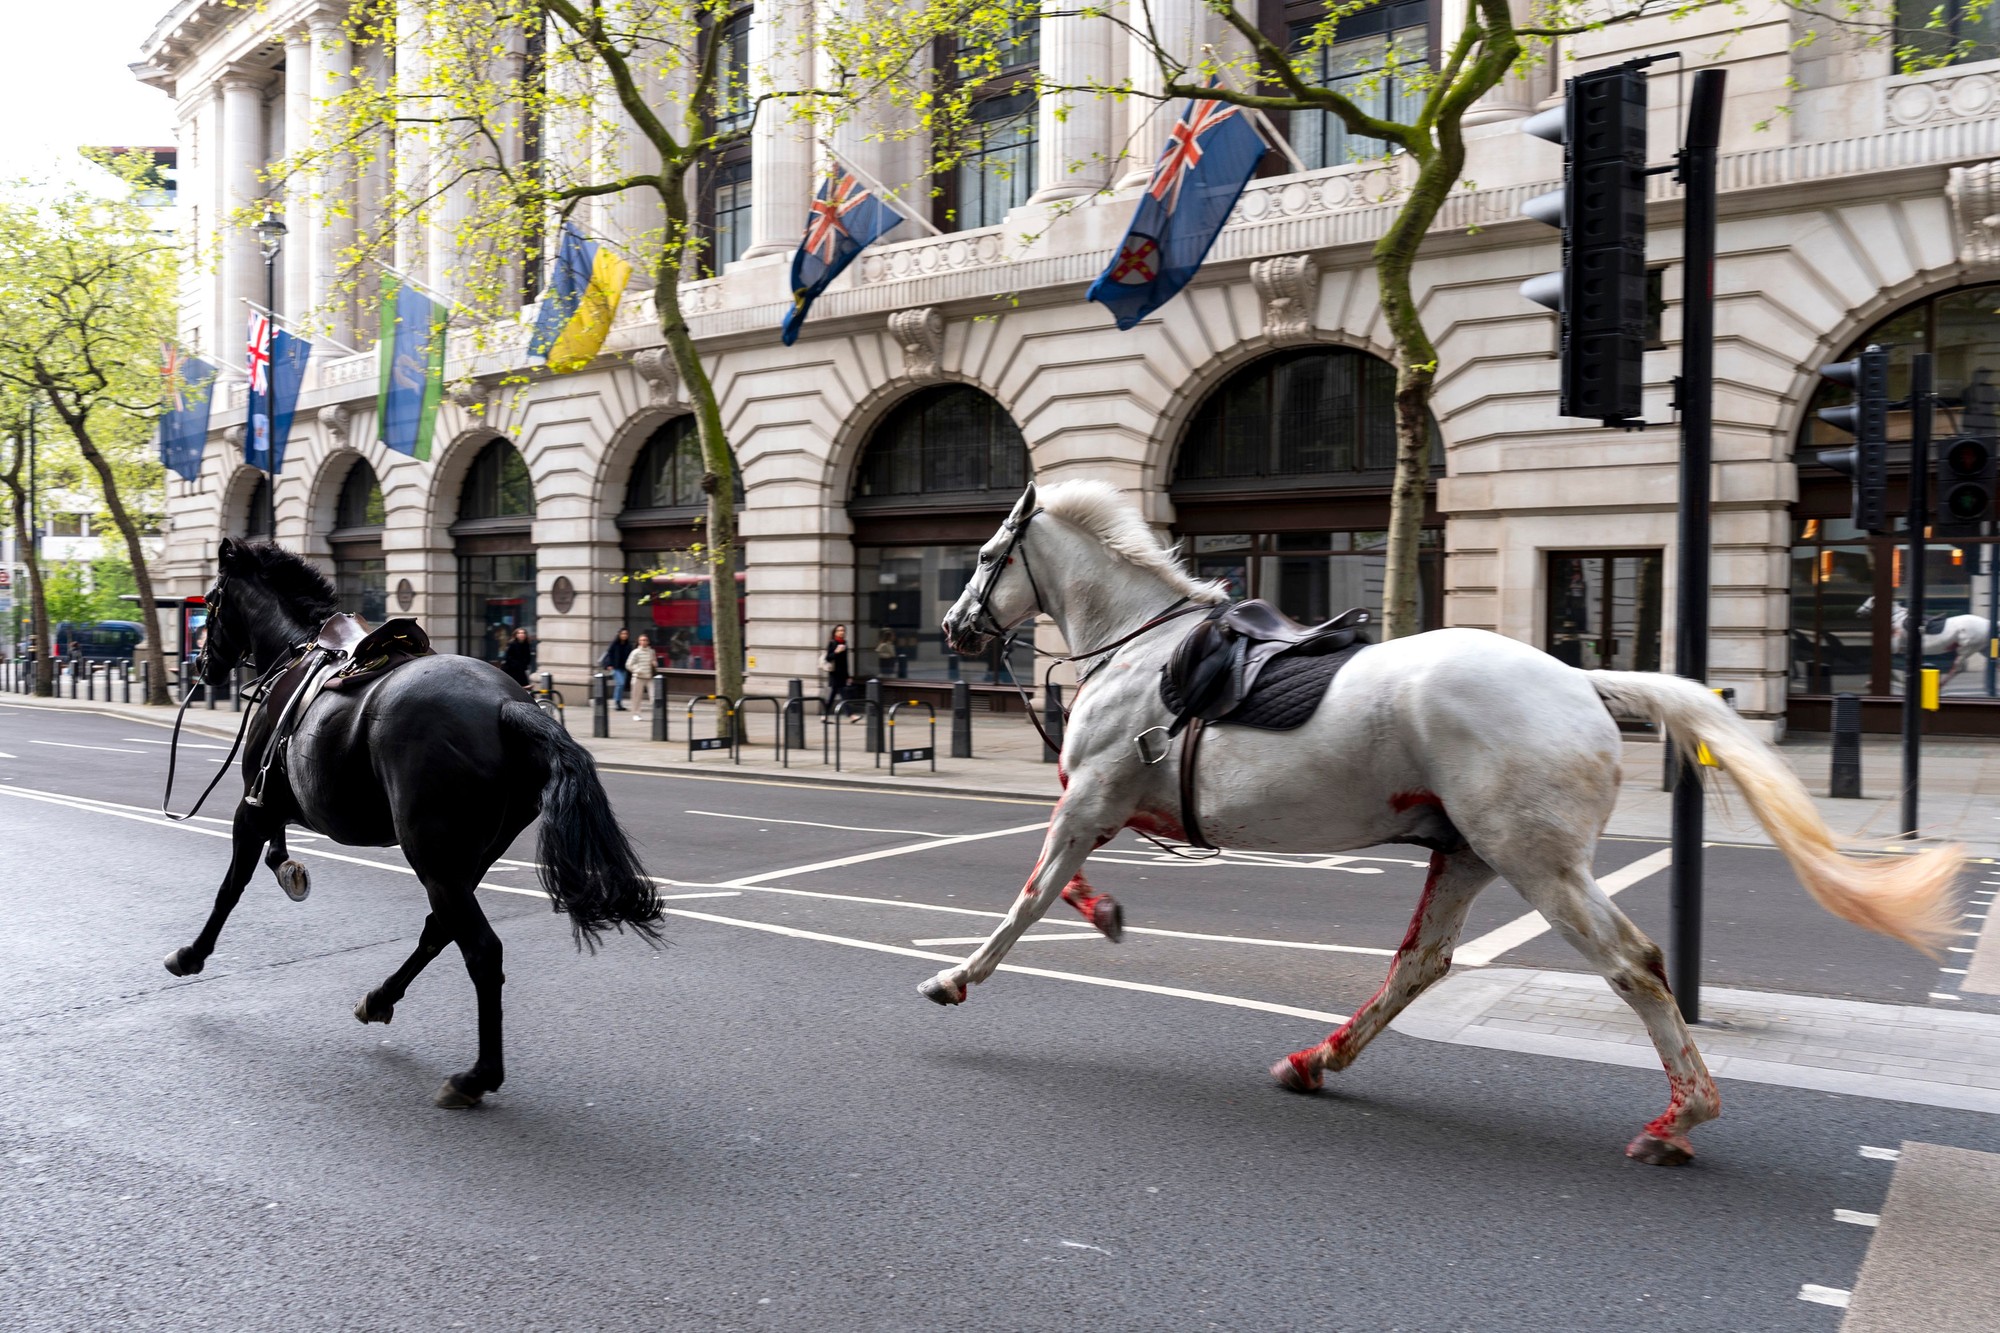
(300, 587)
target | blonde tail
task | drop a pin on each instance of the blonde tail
(1907, 898)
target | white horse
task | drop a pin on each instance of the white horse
(1964, 637)
(1499, 755)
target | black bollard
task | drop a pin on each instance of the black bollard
(961, 720)
(146, 680)
(660, 708)
(1846, 777)
(795, 715)
(874, 711)
(72, 678)
(89, 680)
(600, 705)
(125, 683)
(1052, 723)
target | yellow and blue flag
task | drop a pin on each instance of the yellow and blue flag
(577, 307)
(1209, 158)
(411, 354)
(845, 220)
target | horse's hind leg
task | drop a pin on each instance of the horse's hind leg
(248, 836)
(465, 923)
(379, 1005)
(1581, 913)
(292, 877)
(1424, 956)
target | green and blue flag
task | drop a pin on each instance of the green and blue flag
(411, 354)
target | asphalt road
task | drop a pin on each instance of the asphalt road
(763, 1123)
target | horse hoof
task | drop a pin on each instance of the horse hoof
(1108, 917)
(292, 878)
(1656, 1151)
(938, 991)
(183, 963)
(456, 1096)
(1295, 1075)
(369, 1011)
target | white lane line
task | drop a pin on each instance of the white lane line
(1943, 995)
(1881, 1154)
(808, 823)
(5, 755)
(1858, 1219)
(1025, 939)
(1522, 929)
(185, 745)
(109, 749)
(1110, 983)
(752, 881)
(1818, 1295)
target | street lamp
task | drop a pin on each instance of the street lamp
(270, 231)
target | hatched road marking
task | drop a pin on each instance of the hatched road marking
(1519, 931)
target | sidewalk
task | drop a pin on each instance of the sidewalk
(1961, 778)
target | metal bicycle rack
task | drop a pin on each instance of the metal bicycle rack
(830, 723)
(915, 754)
(777, 724)
(724, 714)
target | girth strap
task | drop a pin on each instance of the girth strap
(1190, 816)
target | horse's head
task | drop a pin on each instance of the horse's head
(264, 600)
(1002, 591)
(225, 643)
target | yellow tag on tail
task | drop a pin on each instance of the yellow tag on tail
(1702, 756)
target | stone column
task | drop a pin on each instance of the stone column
(1176, 26)
(633, 222)
(294, 259)
(239, 158)
(1516, 95)
(413, 143)
(1075, 156)
(781, 147)
(336, 201)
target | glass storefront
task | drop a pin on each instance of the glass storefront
(667, 598)
(360, 575)
(901, 595)
(1605, 608)
(496, 559)
(363, 587)
(1314, 576)
(496, 596)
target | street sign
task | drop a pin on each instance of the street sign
(922, 754)
(708, 742)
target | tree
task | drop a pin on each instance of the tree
(18, 427)
(88, 291)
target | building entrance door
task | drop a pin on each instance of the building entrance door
(1604, 609)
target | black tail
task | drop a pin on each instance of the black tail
(588, 867)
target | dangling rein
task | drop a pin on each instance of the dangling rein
(174, 746)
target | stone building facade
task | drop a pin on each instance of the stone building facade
(1247, 417)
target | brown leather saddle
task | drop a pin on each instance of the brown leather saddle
(343, 654)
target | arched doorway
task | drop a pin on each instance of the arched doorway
(667, 580)
(254, 520)
(935, 479)
(493, 540)
(1281, 485)
(360, 575)
(1837, 568)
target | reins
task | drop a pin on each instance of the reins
(254, 692)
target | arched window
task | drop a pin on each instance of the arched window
(360, 574)
(1837, 568)
(257, 510)
(935, 479)
(493, 538)
(1281, 484)
(666, 581)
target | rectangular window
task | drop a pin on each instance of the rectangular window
(1375, 58)
(734, 108)
(496, 596)
(1604, 609)
(901, 594)
(732, 213)
(1656, 308)
(997, 171)
(1955, 32)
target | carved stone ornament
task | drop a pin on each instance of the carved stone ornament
(663, 378)
(335, 418)
(921, 332)
(232, 436)
(1288, 285)
(1975, 211)
(562, 595)
(406, 596)
(471, 395)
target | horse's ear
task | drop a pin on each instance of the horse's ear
(225, 555)
(1023, 506)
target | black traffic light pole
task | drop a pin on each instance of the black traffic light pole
(1696, 399)
(1913, 615)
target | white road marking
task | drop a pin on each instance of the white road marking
(1954, 971)
(5, 755)
(1025, 939)
(1818, 1295)
(1943, 995)
(1858, 1219)
(109, 749)
(1519, 931)
(1881, 1154)
(807, 823)
(185, 745)
(751, 881)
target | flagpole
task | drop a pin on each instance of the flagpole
(298, 328)
(1276, 140)
(902, 209)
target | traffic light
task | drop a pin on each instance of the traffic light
(1600, 293)
(1865, 462)
(1966, 467)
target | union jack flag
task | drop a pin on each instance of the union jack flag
(825, 225)
(260, 353)
(1184, 150)
(170, 369)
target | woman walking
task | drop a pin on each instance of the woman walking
(643, 664)
(614, 661)
(835, 658)
(519, 658)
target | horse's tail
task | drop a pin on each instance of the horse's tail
(1904, 897)
(588, 867)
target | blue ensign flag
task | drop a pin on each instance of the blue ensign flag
(184, 423)
(1209, 158)
(277, 365)
(289, 354)
(845, 220)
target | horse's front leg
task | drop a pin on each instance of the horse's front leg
(292, 877)
(1081, 824)
(249, 833)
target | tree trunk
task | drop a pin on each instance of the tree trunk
(79, 427)
(38, 607)
(719, 465)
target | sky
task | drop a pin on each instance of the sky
(64, 83)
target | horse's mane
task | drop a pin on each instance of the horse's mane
(302, 589)
(1102, 510)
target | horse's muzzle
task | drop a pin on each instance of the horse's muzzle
(966, 640)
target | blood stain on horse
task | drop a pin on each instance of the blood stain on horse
(1158, 824)
(1405, 801)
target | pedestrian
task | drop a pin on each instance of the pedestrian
(885, 654)
(835, 659)
(643, 664)
(519, 658)
(614, 660)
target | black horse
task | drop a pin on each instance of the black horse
(442, 755)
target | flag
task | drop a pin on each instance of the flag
(845, 220)
(1208, 160)
(411, 357)
(271, 430)
(257, 420)
(184, 422)
(584, 289)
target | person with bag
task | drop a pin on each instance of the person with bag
(614, 660)
(836, 661)
(643, 664)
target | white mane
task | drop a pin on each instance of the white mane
(1102, 510)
